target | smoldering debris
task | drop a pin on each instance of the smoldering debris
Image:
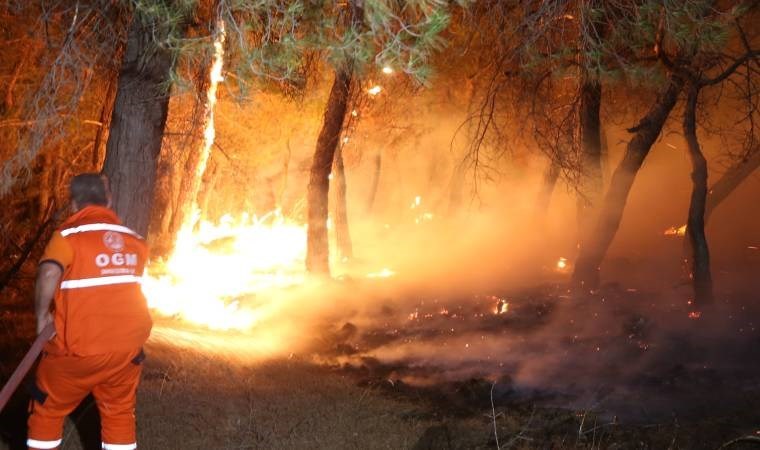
(627, 353)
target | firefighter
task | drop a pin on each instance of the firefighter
(88, 285)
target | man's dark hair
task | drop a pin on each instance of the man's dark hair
(89, 189)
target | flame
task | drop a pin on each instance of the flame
(374, 90)
(214, 270)
(673, 231)
(561, 263)
(387, 70)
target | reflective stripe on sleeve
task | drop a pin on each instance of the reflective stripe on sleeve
(99, 227)
(131, 446)
(34, 443)
(100, 281)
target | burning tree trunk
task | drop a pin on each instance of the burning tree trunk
(207, 185)
(138, 121)
(317, 250)
(317, 246)
(590, 187)
(342, 232)
(594, 247)
(695, 234)
(198, 155)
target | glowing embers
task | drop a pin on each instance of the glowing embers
(695, 315)
(213, 269)
(374, 90)
(421, 216)
(502, 306)
(673, 231)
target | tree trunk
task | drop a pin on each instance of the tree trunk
(594, 246)
(378, 163)
(138, 121)
(209, 180)
(590, 188)
(342, 233)
(730, 180)
(590, 182)
(695, 225)
(317, 250)
(98, 148)
(197, 159)
(551, 175)
(457, 186)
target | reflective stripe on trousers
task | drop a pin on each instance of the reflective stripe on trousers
(34, 443)
(131, 446)
(100, 281)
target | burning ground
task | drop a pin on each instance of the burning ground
(415, 356)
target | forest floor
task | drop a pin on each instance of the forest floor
(619, 368)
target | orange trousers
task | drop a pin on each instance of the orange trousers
(62, 382)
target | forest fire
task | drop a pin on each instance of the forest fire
(424, 198)
(212, 269)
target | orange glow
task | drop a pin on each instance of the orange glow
(673, 231)
(374, 90)
(384, 273)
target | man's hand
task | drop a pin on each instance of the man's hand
(42, 320)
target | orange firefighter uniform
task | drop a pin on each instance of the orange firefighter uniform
(101, 320)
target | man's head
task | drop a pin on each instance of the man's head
(89, 189)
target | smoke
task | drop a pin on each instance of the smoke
(476, 290)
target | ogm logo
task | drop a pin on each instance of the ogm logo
(116, 259)
(113, 241)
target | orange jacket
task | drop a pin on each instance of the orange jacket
(99, 305)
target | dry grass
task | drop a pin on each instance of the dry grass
(192, 400)
(209, 397)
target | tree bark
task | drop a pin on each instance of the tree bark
(590, 183)
(138, 121)
(594, 247)
(590, 189)
(106, 112)
(317, 250)
(695, 225)
(342, 232)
